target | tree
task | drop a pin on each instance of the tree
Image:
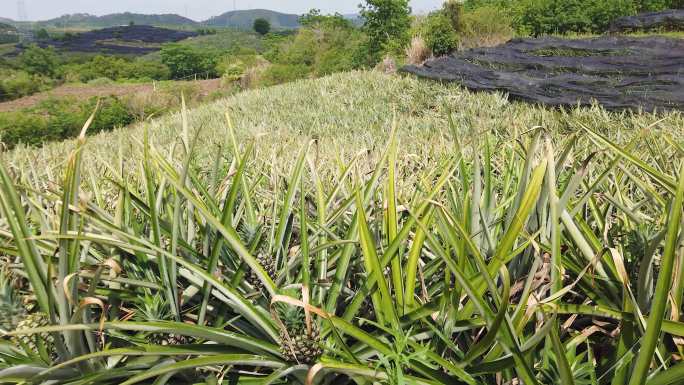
(42, 61)
(315, 18)
(262, 26)
(439, 34)
(42, 34)
(387, 24)
(186, 61)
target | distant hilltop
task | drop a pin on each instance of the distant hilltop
(116, 19)
(245, 19)
(240, 19)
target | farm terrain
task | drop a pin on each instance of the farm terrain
(488, 194)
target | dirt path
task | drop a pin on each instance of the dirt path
(88, 91)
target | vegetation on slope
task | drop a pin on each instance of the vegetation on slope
(473, 241)
(84, 20)
(244, 19)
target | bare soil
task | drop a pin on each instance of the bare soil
(82, 92)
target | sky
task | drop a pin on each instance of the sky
(194, 9)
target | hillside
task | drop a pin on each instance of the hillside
(244, 19)
(117, 19)
(133, 39)
(474, 224)
(4, 28)
(352, 111)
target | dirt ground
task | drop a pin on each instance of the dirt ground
(88, 91)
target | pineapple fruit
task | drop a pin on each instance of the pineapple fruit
(268, 263)
(11, 309)
(33, 342)
(296, 343)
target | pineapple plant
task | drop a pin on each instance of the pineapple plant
(251, 235)
(155, 308)
(11, 309)
(298, 344)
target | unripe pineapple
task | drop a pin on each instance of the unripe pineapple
(11, 309)
(268, 263)
(33, 342)
(296, 344)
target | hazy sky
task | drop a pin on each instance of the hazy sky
(195, 9)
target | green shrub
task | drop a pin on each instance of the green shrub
(148, 69)
(539, 17)
(486, 26)
(439, 34)
(184, 61)
(15, 84)
(59, 119)
(39, 61)
(337, 59)
(22, 127)
(114, 68)
(387, 24)
(283, 73)
(262, 26)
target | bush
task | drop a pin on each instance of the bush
(114, 68)
(539, 17)
(39, 61)
(262, 26)
(59, 119)
(387, 24)
(148, 69)
(15, 84)
(326, 44)
(283, 73)
(486, 26)
(439, 34)
(184, 61)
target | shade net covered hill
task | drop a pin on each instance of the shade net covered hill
(134, 39)
(617, 72)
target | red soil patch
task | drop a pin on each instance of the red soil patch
(88, 91)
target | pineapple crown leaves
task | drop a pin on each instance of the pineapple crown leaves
(288, 309)
(152, 308)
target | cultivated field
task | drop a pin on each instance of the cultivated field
(353, 228)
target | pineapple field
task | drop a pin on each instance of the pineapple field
(360, 228)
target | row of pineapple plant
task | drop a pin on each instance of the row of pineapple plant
(533, 260)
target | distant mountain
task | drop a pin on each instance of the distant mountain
(5, 27)
(245, 19)
(117, 19)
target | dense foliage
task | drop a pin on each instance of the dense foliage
(40, 61)
(262, 26)
(115, 68)
(439, 33)
(539, 17)
(59, 119)
(561, 16)
(409, 243)
(386, 24)
(184, 61)
(17, 83)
